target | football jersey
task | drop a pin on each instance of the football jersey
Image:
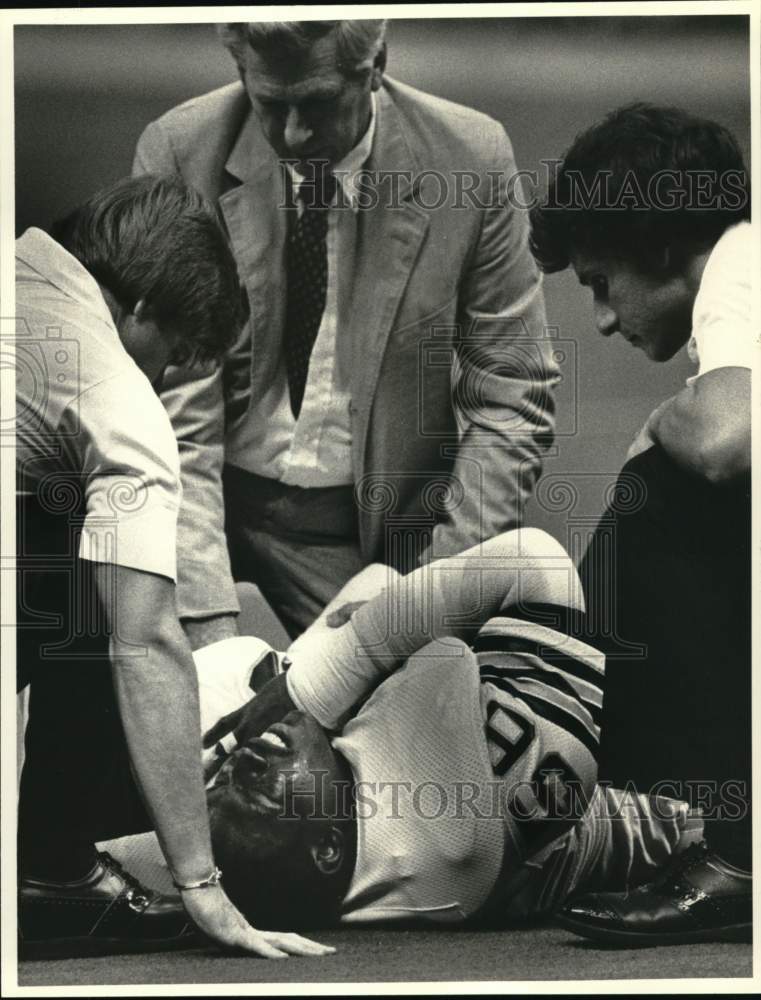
(475, 780)
(467, 763)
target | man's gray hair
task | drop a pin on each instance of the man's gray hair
(357, 41)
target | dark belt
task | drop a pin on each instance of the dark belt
(313, 515)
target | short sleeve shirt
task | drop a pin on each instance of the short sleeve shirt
(86, 412)
(722, 329)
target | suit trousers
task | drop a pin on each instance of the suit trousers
(667, 581)
(299, 546)
(76, 784)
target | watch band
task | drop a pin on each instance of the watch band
(214, 879)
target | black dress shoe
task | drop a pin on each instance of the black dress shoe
(104, 913)
(699, 897)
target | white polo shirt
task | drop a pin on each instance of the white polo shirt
(722, 330)
(84, 410)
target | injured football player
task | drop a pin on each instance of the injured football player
(426, 754)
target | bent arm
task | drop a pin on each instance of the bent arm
(705, 428)
(451, 597)
(157, 693)
(506, 377)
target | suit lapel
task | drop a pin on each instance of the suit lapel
(389, 238)
(257, 227)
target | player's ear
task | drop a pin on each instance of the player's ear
(329, 851)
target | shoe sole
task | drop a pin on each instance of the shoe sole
(632, 939)
(95, 947)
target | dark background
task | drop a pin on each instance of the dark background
(84, 93)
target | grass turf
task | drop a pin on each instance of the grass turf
(436, 955)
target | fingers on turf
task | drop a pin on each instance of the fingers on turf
(294, 944)
(259, 944)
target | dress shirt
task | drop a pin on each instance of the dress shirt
(315, 449)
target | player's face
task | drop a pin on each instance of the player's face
(653, 312)
(309, 110)
(288, 773)
(274, 814)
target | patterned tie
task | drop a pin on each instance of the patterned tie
(307, 280)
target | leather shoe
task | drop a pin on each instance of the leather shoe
(699, 897)
(106, 912)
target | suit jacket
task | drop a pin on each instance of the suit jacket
(452, 385)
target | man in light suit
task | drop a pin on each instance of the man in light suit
(392, 395)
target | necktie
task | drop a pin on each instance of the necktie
(307, 280)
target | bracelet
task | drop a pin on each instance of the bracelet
(214, 879)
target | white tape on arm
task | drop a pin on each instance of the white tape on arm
(329, 677)
(450, 597)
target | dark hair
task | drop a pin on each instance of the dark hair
(357, 40)
(643, 179)
(156, 239)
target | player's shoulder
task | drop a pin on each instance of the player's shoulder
(444, 128)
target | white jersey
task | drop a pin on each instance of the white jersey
(449, 754)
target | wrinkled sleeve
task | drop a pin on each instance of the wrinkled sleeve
(128, 457)
(506, 377)
(723, 333)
